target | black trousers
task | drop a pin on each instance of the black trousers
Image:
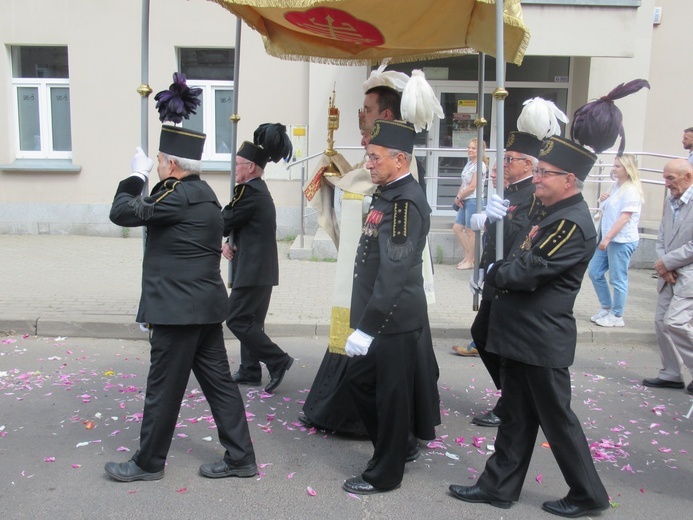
(175, 351)
(492, 362)
(533, 397)
(382, 385)
(247, 311)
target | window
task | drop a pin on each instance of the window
(41, 84)
(212, 71)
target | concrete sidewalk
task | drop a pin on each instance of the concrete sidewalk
(83, 286)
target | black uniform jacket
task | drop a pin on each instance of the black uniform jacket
(252, 218)
(536, 286)
(523, 205)
(181, 277)
(388, 295)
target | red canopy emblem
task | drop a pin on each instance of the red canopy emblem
(336, 25)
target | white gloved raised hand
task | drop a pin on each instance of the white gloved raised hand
(476, 286)
(477, 221)
(141, 165)
(496, 208)
(358, 343)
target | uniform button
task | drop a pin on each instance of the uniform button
(356, 274)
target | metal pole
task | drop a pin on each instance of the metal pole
(480, 123)
(303, 206)
(144, 91)
(499, 95)
(235, 118)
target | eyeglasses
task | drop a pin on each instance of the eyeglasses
(509, 160)
(374, 158)
(543, 172)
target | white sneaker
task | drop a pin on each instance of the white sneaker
(601, 314)
(610, 321)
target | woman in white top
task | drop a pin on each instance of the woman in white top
(466, 202)
(618, 238)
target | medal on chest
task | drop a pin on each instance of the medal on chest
(373, 219)
(527, 244)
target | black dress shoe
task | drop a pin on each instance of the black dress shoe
(129, 472)
(223, 469)
(476, 495)
(655, 382)
(360, 487)
(243, 379)
(276, 378)
(566, 508)
(490, 419)
(689, 388)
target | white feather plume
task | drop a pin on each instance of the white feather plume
(540, 117)
(391, 78)
(419, 103)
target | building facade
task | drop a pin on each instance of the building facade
(70, 115)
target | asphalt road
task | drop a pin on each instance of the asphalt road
(69, 405)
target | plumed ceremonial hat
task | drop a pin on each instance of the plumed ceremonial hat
(398, 135)
(174, 105)
(270, 143)
(568, 156)
(538, 120)
(598, 123)
(523, 142)
(253, 153)
(181, 142)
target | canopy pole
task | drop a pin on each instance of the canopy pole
(235, 118)
(499, 94)
(144, 90)
(480, 124)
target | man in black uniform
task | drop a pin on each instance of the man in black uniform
(252, 219)
(519, 159)
(539, 119)
(184, 302)
(389, 311)
(534, 332)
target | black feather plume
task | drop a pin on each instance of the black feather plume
(598, 123)
(274, 141)
(178, 102)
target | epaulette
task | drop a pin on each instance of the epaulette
(561, 233)
(238, 192)
(143, 207)
(400, 246)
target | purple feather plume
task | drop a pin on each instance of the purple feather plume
(178, 102)
(598, 123)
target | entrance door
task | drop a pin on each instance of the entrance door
(452, 136)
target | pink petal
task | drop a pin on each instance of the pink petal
(311, 491)
(540, 477)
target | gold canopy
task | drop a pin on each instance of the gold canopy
(366, 31)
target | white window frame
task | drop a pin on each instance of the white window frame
(45, 127)
(209, 89)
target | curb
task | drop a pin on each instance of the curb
(106, 330)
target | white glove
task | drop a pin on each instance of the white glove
(141, 164)
(477, 221)
(358, 344)
(496, 208)
(476, 286)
